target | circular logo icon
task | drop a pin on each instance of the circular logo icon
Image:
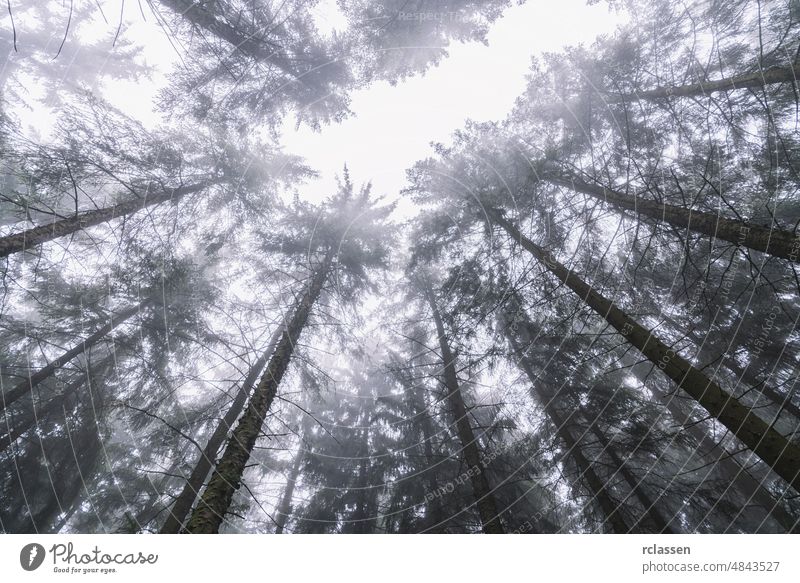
(31, 556)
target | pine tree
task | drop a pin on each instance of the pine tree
(482, 490)
(352, 242)
(185, 500)
(772, 447)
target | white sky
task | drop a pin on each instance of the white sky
(392, 126)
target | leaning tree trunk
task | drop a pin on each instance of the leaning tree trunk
(770, 393)
(610, 509)
(772, 241)
(731, 471)
(24, 387)
(43, 233)
(484, 498)
(651, 510)
(227, 476)
(740, 478)
(748, 375)
(52, 405)
(285, 507)
(185, 500)
(775, 449)
(755, 80)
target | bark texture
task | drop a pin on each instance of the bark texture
(34, 236)
(186, 499)
(775, 449)
(227, 477)
(482, 491)
(768, 240)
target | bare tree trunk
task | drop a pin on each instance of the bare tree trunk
(24, 387)
(185, 500)
(285, 507)
(610, 509)
(661, 523)
(775, 449)
(747, 81)
(37, 415)
(750, 488)
(227, 476)
(43, 233)
(484, 498)
(770, 240)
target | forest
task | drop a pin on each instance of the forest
(578, 317)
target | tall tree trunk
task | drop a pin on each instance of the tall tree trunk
(436, 518)
(43, 233)
(610, 509)
(54, 404)
(185, 500)
(484, 498)
(751, 488)
(775, 449)
(742, 481)
(755, 80)
(749, 375)
(772, 241)
(26, 386)
(651, 510)
(227, 476)
(285, 507)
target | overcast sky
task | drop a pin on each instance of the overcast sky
(391, 126)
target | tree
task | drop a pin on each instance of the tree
(185, 500)
(771, 239)
(482, 490)
(775, 449)
(755, 80)
(282, 514)
(35, 236)
(610, 508)
(26, 386)
(355, 240)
